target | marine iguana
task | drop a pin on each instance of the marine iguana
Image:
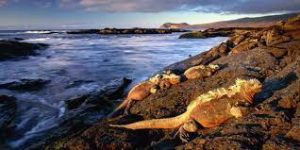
(201, 71)
(209, 110)
(144, 89)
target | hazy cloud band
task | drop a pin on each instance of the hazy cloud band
(215, 6)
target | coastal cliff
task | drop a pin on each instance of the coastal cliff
(253, 22)
(270, 55)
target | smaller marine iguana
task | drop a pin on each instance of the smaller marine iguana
(209, 110)
(144, 89)
(201, 71)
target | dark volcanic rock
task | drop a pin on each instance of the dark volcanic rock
(75, 102)
(113, 90)
(87, 31)
(25, 84)
(12, 49)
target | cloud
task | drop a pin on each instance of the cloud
(36, 3)
(2, 2)
(216, 6)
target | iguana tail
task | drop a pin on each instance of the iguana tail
(168, 123)
(122, 106)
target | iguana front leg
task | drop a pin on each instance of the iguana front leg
(189, 127)
(127, 107)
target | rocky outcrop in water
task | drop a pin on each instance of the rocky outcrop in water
(11, 49)
(273, 121)
(111, 91)
(109, 31)
(25, 84)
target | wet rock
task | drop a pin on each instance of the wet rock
(10, 49)
(113, 90)
(25, 84)
(75, 102)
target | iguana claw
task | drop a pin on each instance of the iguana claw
(183, 135)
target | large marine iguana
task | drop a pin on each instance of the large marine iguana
(209, 110)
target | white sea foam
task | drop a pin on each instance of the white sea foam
(38, 32)
(37, 39)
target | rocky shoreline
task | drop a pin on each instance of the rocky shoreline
(270, 55)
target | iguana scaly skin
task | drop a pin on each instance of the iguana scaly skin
(201, 71)
(209, 110)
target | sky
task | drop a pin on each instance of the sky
(67, 14)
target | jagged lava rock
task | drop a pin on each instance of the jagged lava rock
(10, 49)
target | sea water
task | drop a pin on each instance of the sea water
(90, 61)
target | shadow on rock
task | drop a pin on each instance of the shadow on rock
(270, 86)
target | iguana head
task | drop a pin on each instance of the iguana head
(248, 88)
(214, 67)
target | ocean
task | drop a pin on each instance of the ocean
(79, 64)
